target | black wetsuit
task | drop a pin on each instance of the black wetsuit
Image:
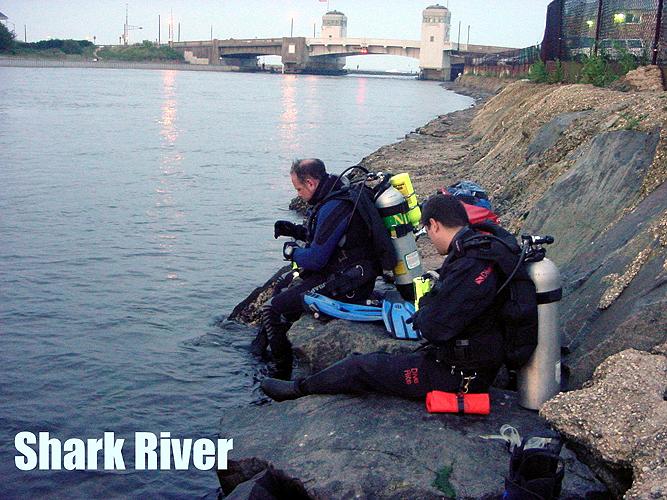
(338, 261)
(459, 321)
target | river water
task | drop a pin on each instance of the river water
(136, 210)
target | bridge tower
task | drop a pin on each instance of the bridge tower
(433, 60)
(334, 25)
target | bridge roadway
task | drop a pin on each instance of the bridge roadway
(300, 54)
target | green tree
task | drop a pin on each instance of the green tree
(538, 72)
(6, 39)
(627, 61)
(596, 70)
(558, 76)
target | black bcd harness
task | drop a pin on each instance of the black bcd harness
(516, 296)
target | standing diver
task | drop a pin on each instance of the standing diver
(459, 319)
(340, 258)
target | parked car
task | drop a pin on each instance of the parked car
(580, 46)
(613, 48)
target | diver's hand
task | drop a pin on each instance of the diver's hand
(284, 228)
(433, 275)
(288, 250)
(414, 321)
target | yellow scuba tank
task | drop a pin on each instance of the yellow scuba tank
(403, 183)
(393, 210)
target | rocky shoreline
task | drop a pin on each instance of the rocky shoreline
(587, 165)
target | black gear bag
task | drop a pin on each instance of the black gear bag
(535, 473)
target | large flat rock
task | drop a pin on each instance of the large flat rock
(381, 447)
(611, 253)
(319, 344)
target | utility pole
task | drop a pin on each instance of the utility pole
(656, 41)
(314, 25)
(468, 42)
(159, 26)
(171, 27)
(25, 33)
(458, 41)
(179, 31)
(291, 29)
(598, 25)
(127, 27)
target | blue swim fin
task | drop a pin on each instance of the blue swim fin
(319, 304)
(395, 313)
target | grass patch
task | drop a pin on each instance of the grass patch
(632, 122)
(441, 481)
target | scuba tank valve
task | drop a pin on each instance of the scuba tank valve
(539, 380)
(403, 183)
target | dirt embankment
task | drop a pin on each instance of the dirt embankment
(589, 166)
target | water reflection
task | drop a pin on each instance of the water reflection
(168, 118)
(361, 91)
(289, 116)
(170, 166)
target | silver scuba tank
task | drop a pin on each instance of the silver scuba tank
(539, 379)
(394, 213)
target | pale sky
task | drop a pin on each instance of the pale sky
(509, 23)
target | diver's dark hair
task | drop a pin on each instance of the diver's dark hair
(309, 168)
(446, 209)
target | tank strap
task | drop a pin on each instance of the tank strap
(401, 208)
(549, 297)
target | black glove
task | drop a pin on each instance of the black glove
(288, 250)
(414, 321)
(284, 228)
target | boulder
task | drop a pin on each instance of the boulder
(248, 310)
(381, 447)
(620, 420)
(319, 344)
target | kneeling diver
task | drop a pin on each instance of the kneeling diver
(339, 258)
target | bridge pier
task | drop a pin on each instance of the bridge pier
(443, 73)
(214, 53)
(296, 59)
(294, 54)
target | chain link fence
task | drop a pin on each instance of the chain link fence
(615, 28)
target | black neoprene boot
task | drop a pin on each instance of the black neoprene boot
(282, 390)
(259, 346)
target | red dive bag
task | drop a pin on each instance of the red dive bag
(479, 214)
(452, 402)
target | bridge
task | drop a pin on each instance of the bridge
(327, 53)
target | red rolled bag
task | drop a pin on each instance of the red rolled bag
(451, 402)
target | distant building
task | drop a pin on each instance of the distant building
(334, 25)
(436, 21)
(3, 17)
